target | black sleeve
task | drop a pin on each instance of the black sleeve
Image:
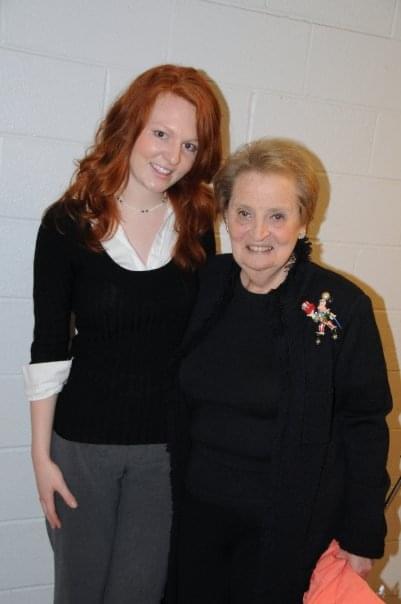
(52, 293)
(363, 398)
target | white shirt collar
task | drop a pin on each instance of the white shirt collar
(121, 251)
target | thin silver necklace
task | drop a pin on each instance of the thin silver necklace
(143, 210)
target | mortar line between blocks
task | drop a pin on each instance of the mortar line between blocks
(13, 522)
(106, 89)
(34, 587)
(170, 31)
(17, 448)
(307, 61)
(372, 148)
(397, 10)
(251, 114)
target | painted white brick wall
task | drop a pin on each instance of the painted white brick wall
(397, 21)
(326, 73)
(341, 135)
(386, 156)
(364, 70)
(369, 16)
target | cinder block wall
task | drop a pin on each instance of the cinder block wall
(326, 73)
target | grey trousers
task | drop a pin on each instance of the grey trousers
(113, 548)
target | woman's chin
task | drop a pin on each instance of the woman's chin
(258, 265)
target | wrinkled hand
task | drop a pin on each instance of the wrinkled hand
(50, 480)
(360, 565)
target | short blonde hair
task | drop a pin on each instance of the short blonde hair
(271, 156)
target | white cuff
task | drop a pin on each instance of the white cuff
(44, 379)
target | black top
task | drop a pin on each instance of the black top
(232, 381)
(129, 325)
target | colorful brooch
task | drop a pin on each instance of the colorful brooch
(323, 316)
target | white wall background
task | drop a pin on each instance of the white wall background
(326, 72)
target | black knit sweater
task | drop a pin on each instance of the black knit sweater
(128, 326)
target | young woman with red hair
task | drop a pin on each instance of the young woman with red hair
(116, 259)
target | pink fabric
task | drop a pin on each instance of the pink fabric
(335, 582)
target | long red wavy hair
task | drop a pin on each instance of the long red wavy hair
(90, 198)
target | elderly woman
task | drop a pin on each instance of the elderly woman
(286, 394)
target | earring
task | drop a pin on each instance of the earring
(302, 235)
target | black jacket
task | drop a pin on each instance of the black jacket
(328, 465)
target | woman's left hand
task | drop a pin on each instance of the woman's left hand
(360, 565)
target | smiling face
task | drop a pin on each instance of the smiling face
(165, 150)
(264, 222)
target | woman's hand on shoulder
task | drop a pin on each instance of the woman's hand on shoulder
(362, 566)
(50, 480)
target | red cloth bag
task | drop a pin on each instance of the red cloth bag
(334, 582)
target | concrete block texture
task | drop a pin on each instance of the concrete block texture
(14, 413)
(373, 265)
(397, 21)
(251, 48)
(389, 324)
(97, 32)
(17, 246)
(386, 156)
(16, 327)
(368, 16)
(246, 4)
(31, 595)
(394, 419)
(362, 69)
(26, 558)
(21, 501)
(337, 256)
(34, 172)
(119, 78)
(339, 135)
(361, 210)
(50, 97)
(236, 115)
(394, 470)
